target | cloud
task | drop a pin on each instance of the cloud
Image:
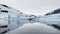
(35, 28)
(36, 7)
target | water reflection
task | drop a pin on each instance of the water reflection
(34, 28)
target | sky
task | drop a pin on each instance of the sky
(35, 7)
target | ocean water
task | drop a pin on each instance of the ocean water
(34, 28)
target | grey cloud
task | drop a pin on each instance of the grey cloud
(28, 5)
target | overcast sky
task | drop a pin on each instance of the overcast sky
(36, 7)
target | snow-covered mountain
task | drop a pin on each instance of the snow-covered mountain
(54, 12)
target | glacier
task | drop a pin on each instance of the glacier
(51, 19)
(11, 19)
